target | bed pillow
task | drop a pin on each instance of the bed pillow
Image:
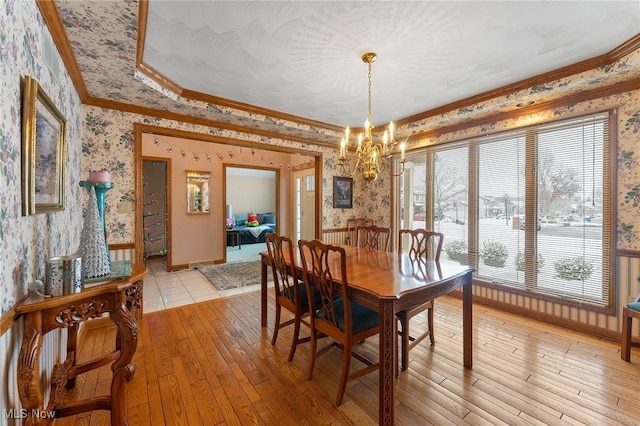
(267, 218)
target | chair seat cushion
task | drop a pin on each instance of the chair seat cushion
(363, 318)
(304, 300)
(635, 306)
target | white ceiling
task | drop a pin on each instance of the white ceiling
(303, 57)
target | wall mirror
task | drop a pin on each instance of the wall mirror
(197, 192)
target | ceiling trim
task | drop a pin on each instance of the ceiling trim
(199, 96)
(582, 66)
(55, 25)
(625, 48)
(159, 78)
(614, 89)
(203, 137)
(136, 109)
(167, 83)
(143, 67)
(53, 21)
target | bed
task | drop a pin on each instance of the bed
(254, 234)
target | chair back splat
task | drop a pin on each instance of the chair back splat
(290, 293)
(315, 257)
(352, 224)
(373, 237)
(346, 322)
(422, 245)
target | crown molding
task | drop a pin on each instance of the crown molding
(136, 109)
(167, 83)
(54, 23)
(625, 48)
(202, 97)
(582, 66)
(223, 140)
(601, 92)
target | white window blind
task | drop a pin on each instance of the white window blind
(571, 188)
(530, 209)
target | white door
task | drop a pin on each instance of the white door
(304, 205)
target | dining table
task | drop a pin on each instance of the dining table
(388, 283)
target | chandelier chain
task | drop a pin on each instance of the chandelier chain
(369, 108)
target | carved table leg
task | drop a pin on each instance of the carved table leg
(72, 342)
(29, 369)
(134, 296)
(122, 367)
(388, 362)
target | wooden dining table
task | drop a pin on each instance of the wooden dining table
(388, 283)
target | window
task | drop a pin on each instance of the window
(526, 208)
(501, 208)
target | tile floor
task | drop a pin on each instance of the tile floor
(164, 290)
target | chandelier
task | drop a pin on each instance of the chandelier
(372, 158)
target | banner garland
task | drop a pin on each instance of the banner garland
(157, 141)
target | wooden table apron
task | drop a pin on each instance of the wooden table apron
(388, 283)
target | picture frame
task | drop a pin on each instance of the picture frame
(44, 151)
(342, 192)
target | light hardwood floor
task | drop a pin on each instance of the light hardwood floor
(210, 363)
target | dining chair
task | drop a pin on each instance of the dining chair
(336, 316)
(422, 245)
(632, 310)
(290, 293)
(352, 224)
(373, 237)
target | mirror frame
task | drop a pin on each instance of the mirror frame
(198, 183)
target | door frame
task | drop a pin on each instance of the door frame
(167, 162)
(226, 166)
(139, 129)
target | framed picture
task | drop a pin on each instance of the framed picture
(342, 192)
(43, 151)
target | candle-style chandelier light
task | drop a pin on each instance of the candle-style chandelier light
(372, 158)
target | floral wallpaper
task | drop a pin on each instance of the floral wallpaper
(100, 138)
(108, 144)
(370, 199)
(26, 242)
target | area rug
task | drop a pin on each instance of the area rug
(232, 275)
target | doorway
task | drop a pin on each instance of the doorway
(154, 141)
(155, 209)
(250, 190)
(304, 214)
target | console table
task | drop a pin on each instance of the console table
(122, 299)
